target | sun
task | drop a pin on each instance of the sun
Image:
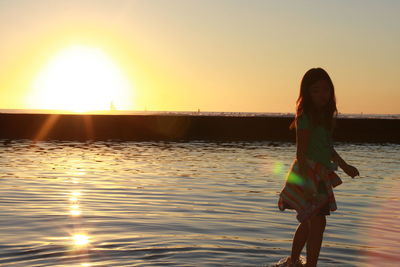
(81, 79)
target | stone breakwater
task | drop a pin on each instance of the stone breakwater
(183, 127)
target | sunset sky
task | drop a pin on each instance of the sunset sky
(215, 55)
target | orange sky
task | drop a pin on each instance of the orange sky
(213, 55)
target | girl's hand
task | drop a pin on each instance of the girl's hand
(350, 170)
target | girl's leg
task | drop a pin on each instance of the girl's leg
(299, 239)
(314, 241)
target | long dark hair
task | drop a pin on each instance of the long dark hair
(305, 105)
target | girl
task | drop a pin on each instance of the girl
(308, 188)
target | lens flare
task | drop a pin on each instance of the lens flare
(295, 179)
(383, 232)
(278, 168)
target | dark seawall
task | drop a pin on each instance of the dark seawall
(183, 127)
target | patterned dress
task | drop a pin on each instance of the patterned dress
(313, 193)
(309, 195)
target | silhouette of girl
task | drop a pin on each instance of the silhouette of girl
(309, 183)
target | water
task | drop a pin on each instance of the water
(184, 204)
(201, 113)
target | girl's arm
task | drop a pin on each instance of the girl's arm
(338, 159)
(348, 169)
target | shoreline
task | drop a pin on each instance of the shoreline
(84, 127)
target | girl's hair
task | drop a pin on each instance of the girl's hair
(305, 105)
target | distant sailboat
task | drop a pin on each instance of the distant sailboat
(112, 106)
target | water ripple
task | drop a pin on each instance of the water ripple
(183, 204)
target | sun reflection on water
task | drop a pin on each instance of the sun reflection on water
(75, 212)
(80, 239)
(76, 193)
(74, 208)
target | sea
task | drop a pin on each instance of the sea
(199, 113)
(187, 203)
